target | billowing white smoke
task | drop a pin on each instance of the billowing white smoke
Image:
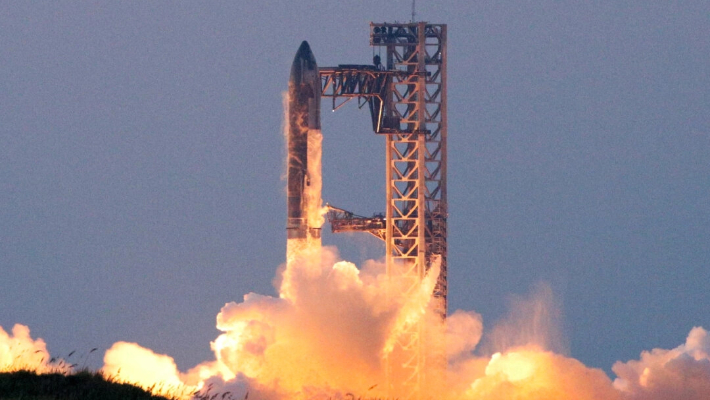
(133, 363)
(334, 320)
(680, 373)
(19, 350)
(305, 347)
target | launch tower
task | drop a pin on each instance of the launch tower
(406, 95)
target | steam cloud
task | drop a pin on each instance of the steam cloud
(19, 350)
(302, 346)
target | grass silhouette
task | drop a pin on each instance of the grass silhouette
(31, 378)
(26, 384)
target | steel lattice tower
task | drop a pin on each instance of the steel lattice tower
(407, 100)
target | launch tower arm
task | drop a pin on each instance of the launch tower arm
(368, 84)
(345, 221)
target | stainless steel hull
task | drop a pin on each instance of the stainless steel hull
(303, 117)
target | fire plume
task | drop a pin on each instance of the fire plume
(305, 347)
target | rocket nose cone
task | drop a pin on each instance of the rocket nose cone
(304, 59)
(304, 52)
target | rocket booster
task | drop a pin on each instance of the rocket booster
(303, 195)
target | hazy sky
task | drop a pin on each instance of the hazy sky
(141, 163)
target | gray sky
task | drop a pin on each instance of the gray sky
(141, 160)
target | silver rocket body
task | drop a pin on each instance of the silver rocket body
(303, 117)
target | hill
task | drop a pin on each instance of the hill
(82, 385)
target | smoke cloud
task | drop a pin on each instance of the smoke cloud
(18, 350)
(328, 339)
(130, 362)
(333, 320)
(680, 373)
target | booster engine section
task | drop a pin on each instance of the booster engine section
(303, 194)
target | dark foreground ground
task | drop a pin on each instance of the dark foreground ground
(28, 385)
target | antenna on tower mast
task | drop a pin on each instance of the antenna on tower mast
(414, 13)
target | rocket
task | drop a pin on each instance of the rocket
(303, 175)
